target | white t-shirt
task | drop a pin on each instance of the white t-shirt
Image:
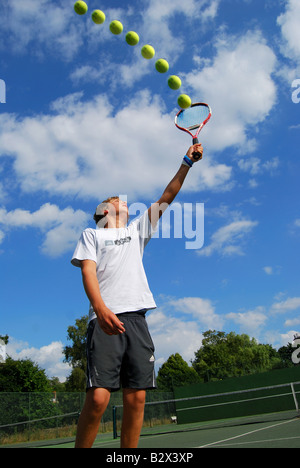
(118, 254)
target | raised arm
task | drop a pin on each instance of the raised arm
(157, 209)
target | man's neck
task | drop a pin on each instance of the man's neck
(115, 222)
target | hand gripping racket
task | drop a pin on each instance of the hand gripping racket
(191, 119)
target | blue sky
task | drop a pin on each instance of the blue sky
(87, 117)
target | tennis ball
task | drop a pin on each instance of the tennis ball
(162, 66)
(81, 7)
(116, 27)
(148, 52)
(132, 38)
(174, 82)
(184, 101)
(98, 16)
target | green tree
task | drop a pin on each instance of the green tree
(4, 338)
(76, 382)
(23, 376)
(56, 385)
(285, 353)
(175, 373)
(230, 355)
(76, 354)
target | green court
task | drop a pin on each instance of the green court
(280, 431)
(263, 417)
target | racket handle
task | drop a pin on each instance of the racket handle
(196, 155)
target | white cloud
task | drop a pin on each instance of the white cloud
(154, 25)
(241, 95)
(251, 322)
(49, 357)
(75, 150)
(289, 22)
(41, 26)
(157, 16)
(255, 166)
(292, 322)
(61, 228)
(289, 305)
(288, 337)
(294, 227)
(272, 270)
(2, 191)
(172, 335)
(297, 223)
(268, 270)
(201, 309)
(228, 240)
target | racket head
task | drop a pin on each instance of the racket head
(193, 119)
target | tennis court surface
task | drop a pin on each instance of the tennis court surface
(280, 434)
(204, 422)
(281, 431)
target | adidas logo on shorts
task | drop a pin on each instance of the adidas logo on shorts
(152, 359)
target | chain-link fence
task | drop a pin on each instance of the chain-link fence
(41, 416)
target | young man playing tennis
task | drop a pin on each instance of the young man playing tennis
(120, 351)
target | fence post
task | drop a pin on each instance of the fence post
(115, 422)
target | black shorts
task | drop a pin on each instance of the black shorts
(125, 360)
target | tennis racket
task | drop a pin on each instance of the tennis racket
(193, 120)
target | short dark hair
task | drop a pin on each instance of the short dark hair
(98, 217)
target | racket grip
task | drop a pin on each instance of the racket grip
(196, 155)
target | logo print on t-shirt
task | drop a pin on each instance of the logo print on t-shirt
(109, 242)
(123, 241)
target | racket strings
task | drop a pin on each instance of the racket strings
(193, 117)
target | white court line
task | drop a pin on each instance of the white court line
(248, 433)
(260, 441)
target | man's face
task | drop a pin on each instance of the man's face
(120, 207)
